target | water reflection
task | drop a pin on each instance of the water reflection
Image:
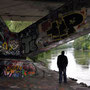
(78, 66)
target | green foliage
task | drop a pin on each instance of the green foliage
(82, 43)
(42, 57)
(47, 55)
(17, 26)
(82, 57)
(66, 45)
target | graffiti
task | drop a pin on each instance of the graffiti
(5, 45)
(28, 39)
(9, 42)
(52, 28)
(10, 48)
(14, 44)
(14, 68)
(61, 26)
(40, 36)
(65, 26)
(46, 25)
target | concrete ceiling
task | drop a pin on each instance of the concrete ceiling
(31, 10)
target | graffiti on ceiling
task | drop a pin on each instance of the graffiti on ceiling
(56, 26)
(50, 29)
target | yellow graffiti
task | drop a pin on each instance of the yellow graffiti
(60, 21)
(14, 68)
(5, 46)
(10, 48)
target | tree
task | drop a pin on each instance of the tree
(82, 43)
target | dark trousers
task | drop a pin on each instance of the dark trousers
(62, 74)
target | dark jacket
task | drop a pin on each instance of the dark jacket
(62, 62)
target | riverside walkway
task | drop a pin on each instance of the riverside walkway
(43, 80)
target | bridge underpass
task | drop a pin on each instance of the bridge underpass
(53, 27)
(61, 25)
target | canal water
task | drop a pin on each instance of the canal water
(78, 64)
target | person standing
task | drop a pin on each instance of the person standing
(62, 62)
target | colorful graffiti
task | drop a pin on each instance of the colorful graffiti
(14, 68)
(9, 42)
